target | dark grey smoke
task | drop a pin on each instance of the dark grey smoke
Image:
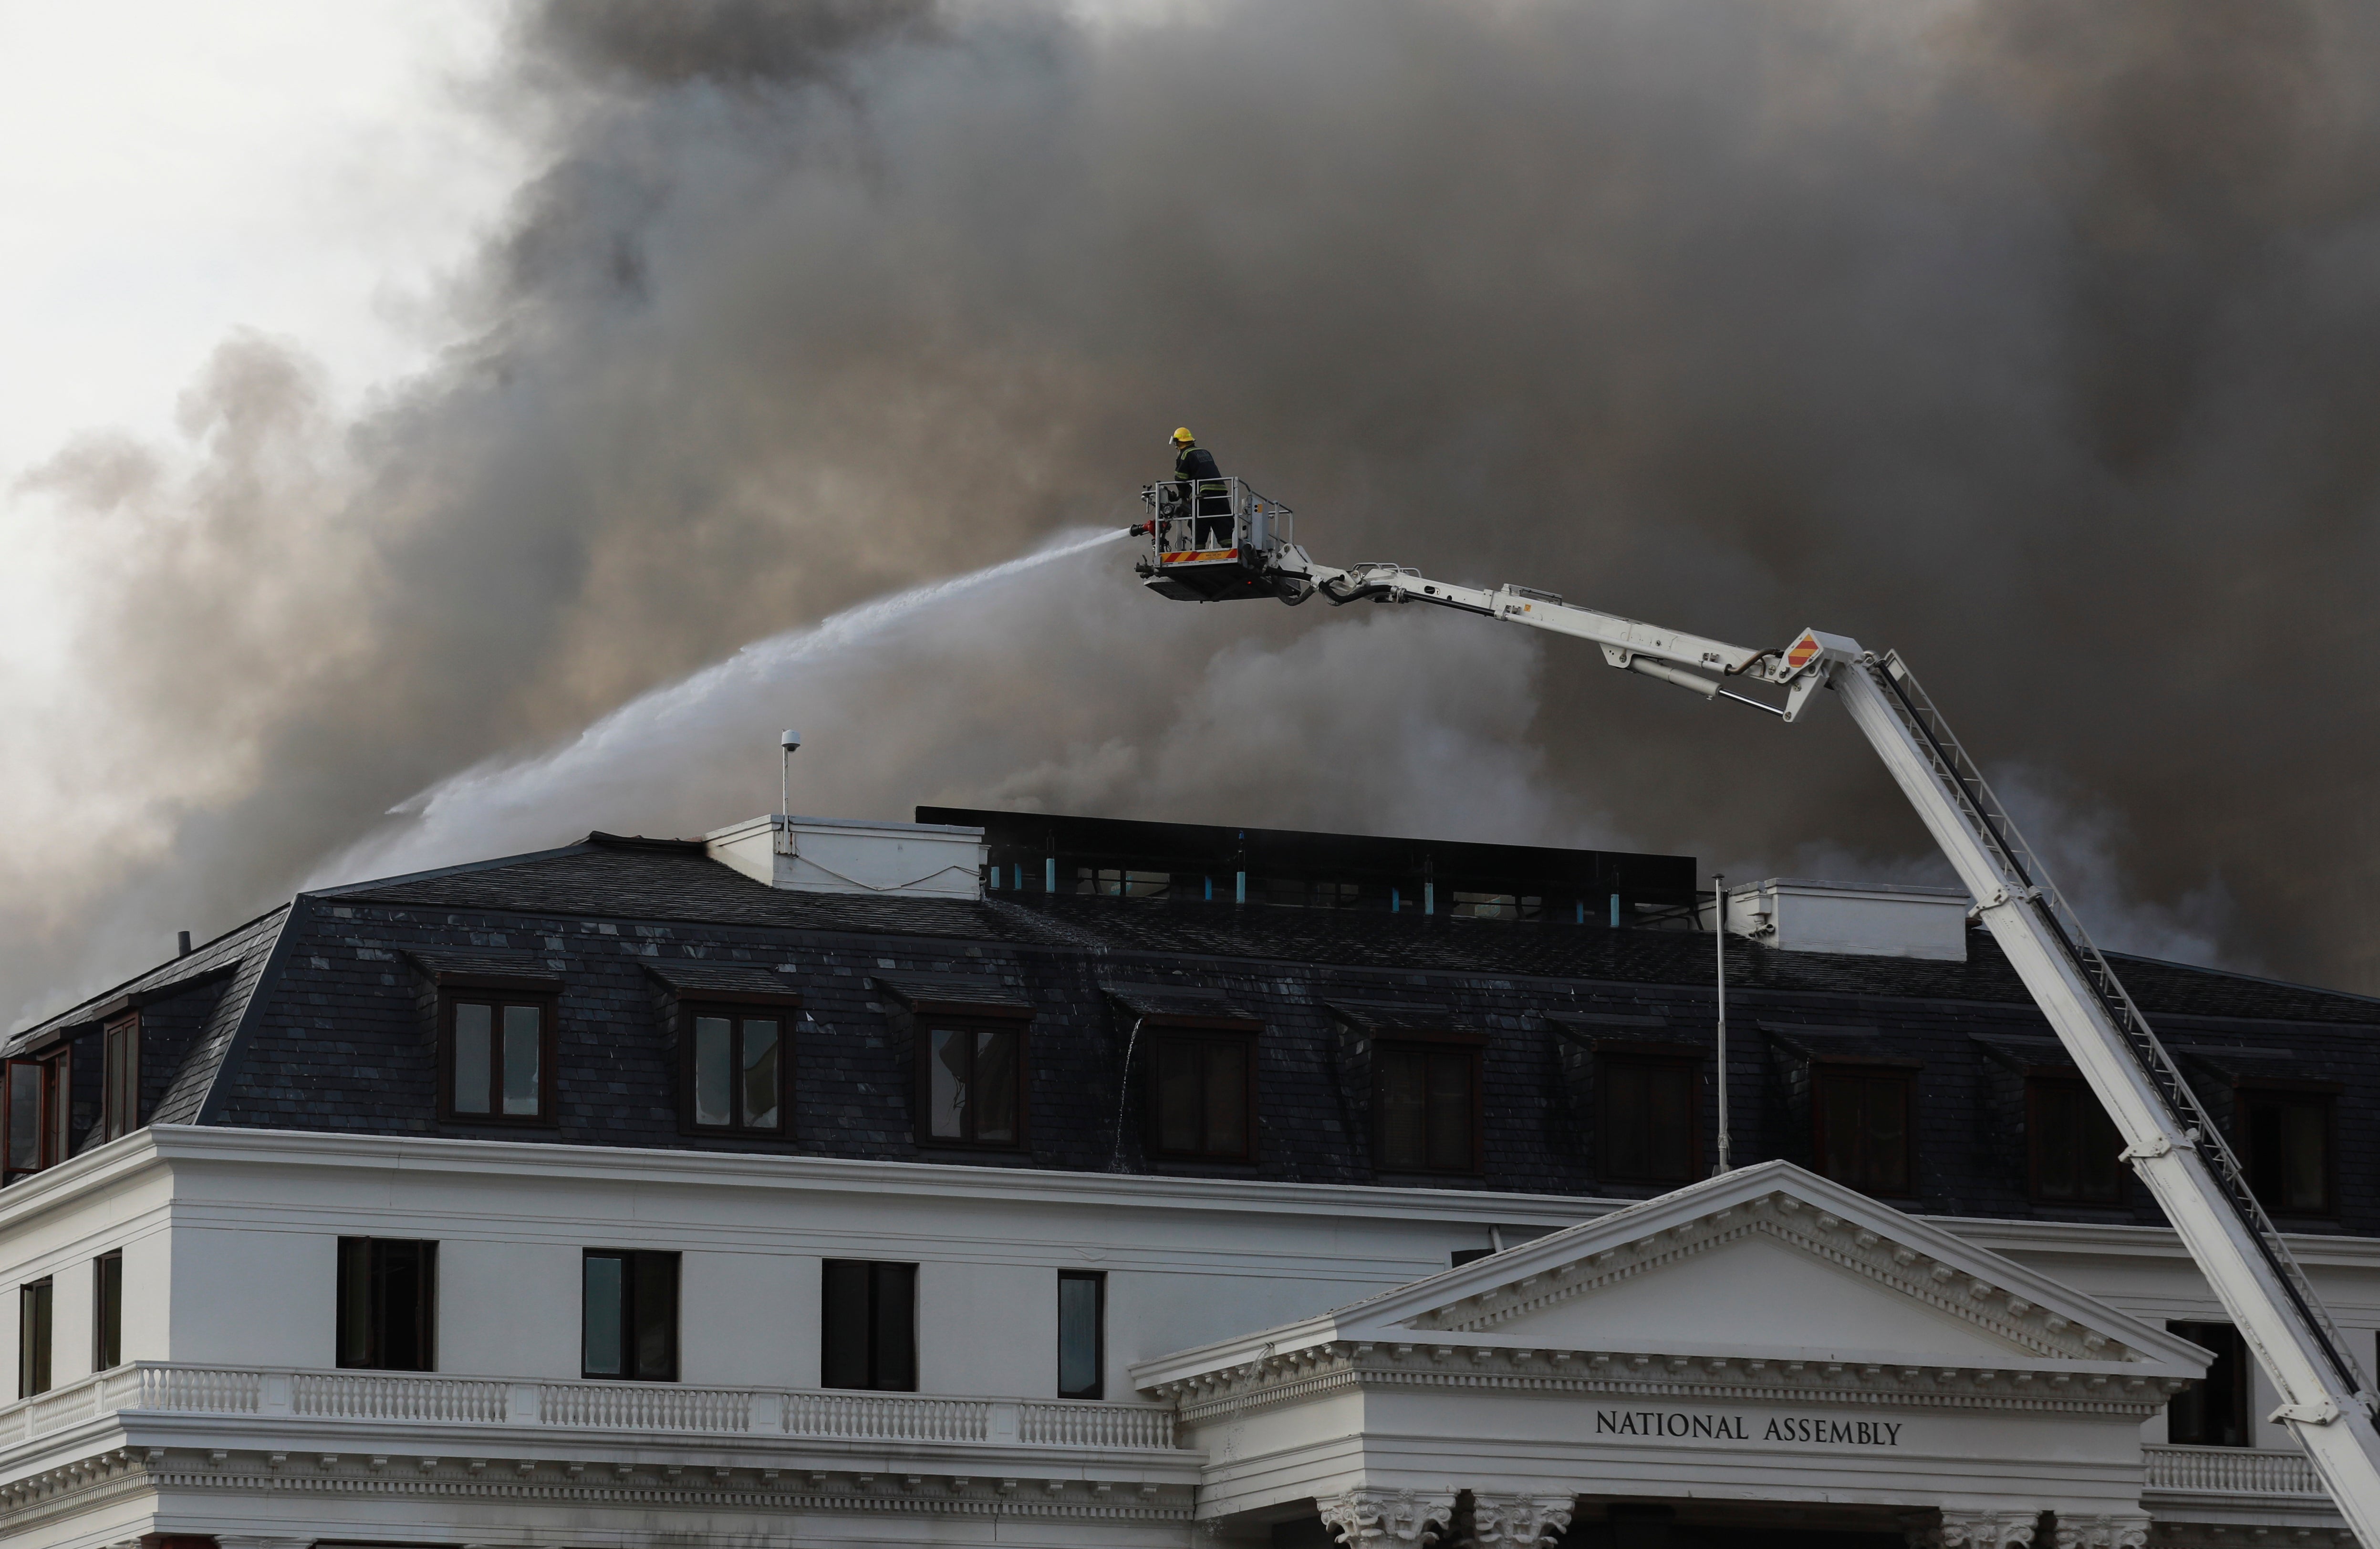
(2038, 341)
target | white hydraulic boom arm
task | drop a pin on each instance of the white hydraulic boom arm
(2169, 1139)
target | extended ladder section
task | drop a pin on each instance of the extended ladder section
(2169, 1139)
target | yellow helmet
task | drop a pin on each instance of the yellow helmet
(1182, 436)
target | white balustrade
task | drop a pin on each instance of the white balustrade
(198, 1389)
(642, 1408)
(1095, 1425)
(394, 1396)
(888, 1417)
(2230, 1471)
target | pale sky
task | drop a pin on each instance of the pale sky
(173, 172)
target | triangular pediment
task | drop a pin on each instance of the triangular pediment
(1758, 1280)
(1768, 1264)
(1769, 1258)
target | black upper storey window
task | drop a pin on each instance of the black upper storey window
(2285, 1135)
(2214, 1410)
(1426, 1104)
(2070, 1143)
(1646, 1123)
(868, 1326)
(1202, 1093)
(629, 1314)
(1864, 1119)
(388, 1305)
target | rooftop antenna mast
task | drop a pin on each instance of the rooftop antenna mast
(786, 743)
(1718, 934)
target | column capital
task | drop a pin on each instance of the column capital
(1517, 1521)
(2104, 1530)
(1388, 1518)
(1987, 1530)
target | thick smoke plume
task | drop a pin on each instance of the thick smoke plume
(2037, 341)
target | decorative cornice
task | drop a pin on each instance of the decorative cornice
(897, 1489)
(1039, 1186)
(1847, 1245)
(1323, 1368)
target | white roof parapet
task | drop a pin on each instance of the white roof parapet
(846, 855)
(1857, 919)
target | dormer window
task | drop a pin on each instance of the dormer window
(2071, 1145)
(498, 1037)
(971, 1042)
(1865, 1136)
(973, 1089)
(499, 1068)
(39, 1106)
(119, 1077)
(1425, 1105)
(734, 1070)
(2284, 1136)
(1645, 1116)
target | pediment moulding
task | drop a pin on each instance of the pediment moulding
(1313, 1370)
(1851, 1245)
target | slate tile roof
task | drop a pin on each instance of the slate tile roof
(324, 1024)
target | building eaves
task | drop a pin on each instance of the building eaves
(192, 1098)
(668, 881)
(203, 963)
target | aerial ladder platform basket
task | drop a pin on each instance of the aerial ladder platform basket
(1210, 539)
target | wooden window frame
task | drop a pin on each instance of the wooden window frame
(974, 1020)
(738, 1009)
(2037, 1081)
(1202, 1031)
(1612, 1054)
(2245, 1091)
(1430, 1042)
(629, 1258)
(53, 1073)
(1098, 1279)
(119, 1085)
(1906, 1072)
(498, 993)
